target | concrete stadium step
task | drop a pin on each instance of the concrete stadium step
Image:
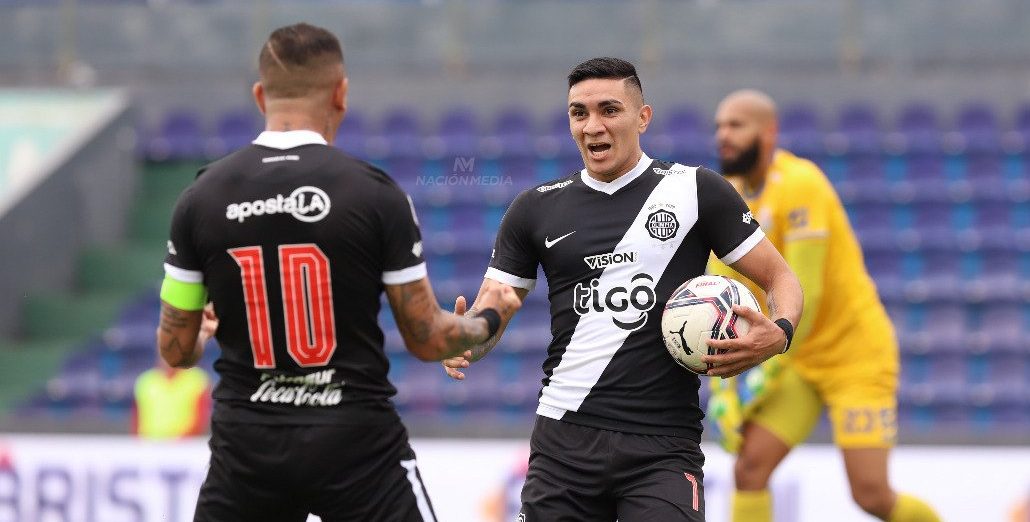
(48, 317)
(124, 268)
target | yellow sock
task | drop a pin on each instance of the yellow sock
(910, 509)
(752, 506)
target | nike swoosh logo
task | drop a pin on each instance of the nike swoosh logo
(548, 243)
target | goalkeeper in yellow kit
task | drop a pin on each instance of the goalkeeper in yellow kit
(844, 356)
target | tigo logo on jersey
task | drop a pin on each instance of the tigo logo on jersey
(662, 225)
(308, 204)
(640, 296)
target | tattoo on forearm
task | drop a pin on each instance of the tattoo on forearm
(410, 322)
(173, 321)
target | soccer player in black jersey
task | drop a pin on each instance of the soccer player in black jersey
(618, 424)
(294, 242)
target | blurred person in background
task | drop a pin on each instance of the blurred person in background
(845, 357)
(618, 426)
(171, 402)
(294, 242)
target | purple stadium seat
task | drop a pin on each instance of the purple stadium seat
(401, 134)
(800, 131)
(459, 132)
(513, 134)
(557, 138)
(179, 136)
(858, 131)
(978, 130)
(353, 135)
(233, 131)
(923, 168)
(917, 131)
(691, 135)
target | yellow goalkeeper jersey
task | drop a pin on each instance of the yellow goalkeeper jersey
(845, 328)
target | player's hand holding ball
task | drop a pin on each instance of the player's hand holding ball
(764, 340)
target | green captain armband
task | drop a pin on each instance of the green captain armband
(184, 296)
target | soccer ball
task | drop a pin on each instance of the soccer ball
(701, 309)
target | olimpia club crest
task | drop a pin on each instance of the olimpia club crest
(662, 225)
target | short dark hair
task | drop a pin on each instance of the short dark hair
(297, 59)
(605, 68)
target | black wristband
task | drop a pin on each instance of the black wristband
(788, 330)
(493, 320)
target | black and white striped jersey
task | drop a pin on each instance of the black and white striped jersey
(612, 254)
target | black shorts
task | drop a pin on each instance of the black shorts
(340, 473)
(582, 473)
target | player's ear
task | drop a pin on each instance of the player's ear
(340, 95)
(645, 118)
(259, 96)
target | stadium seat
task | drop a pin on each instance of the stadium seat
(179, 137)
(513, 134)
(353, 135)
(858, 132)
(691, 135)
(401, 135)
(917, 131)
(977, 129)
(556, 141)
(457, 134)
(234, 130)
(801, 132)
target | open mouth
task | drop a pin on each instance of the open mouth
(597, 150)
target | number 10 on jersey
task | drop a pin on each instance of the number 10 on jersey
(307, 300)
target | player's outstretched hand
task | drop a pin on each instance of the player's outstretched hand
(762, 341)
(452, 366)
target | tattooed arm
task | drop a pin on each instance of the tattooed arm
(432, 334)
(181, 334)
(453, 365)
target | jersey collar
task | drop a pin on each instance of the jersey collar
(289, 139)
(613, 186)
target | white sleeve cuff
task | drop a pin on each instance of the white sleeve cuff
(184, 276)
(511, 280)
(743, 248)
(405, 276)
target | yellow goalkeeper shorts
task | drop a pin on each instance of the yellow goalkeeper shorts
(862, 408)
